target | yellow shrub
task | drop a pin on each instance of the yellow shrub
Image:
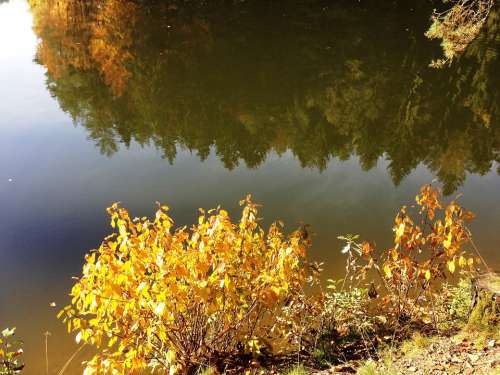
(157, 297)
(429, 246)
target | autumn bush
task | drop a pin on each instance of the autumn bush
(157, 297)
(384, 293)
(430, 245)
(152, 296)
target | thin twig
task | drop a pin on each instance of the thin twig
(47, 334)
(70, 359)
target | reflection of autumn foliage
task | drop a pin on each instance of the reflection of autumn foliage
(110, 42)
(210, 79)
(82, 35)
(61, 32)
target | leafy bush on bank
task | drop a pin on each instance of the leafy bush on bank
(177, 300)
(172, 299)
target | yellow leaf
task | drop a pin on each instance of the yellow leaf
(447, 242)
(451, 265)
(387, 271)
(160, 308)
(170, 357)
(400, 231)
(427, 275)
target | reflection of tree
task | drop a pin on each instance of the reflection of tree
(85, 35)
(458, 26)
(244, 79)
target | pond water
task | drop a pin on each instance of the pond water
(326, 111)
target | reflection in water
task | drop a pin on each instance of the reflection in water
(320, 79)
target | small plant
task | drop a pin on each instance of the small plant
(348, 308)
(414, 345)
(346, 315)
(10, 353)
(458, 300)
(451, 306)
(369, 368)
(173, 299)
(323, 323)
(297, 370)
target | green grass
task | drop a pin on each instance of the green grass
(207, 371)
(297, 370)
(369, 368)
(415, 344)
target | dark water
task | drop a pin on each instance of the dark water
(325, 110)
